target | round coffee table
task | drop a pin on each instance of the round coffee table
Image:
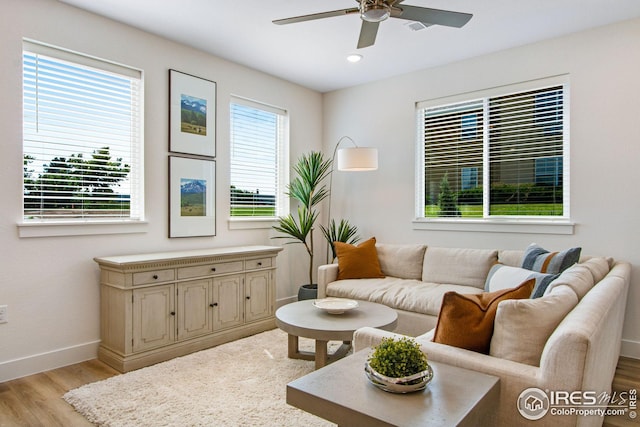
(302, 319)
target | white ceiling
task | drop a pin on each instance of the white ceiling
(313, 53)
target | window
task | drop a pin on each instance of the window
(549, 171)
(469, 178)
(502, 153)
(82, 147)
(258, 159)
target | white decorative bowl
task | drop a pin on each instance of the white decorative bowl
(408, 384)
(335, 305)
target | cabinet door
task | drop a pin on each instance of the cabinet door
(259, 295)
(227, 301)
(153, 317)
(193, 308)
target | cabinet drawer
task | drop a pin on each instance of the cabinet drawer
(253, 264)
(154, 276)
(209, 269)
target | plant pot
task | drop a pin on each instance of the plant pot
(408, 384)
(308, 292)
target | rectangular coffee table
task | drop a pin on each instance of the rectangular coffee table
(341, 393)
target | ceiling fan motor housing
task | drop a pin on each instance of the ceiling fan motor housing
(374, 10)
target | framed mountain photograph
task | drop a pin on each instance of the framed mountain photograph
(192, 114)
(192, 197)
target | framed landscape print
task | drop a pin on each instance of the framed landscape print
(192, 197)
(192, 114)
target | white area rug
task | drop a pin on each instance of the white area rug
(242, 383)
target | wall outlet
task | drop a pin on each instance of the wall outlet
(3, 314)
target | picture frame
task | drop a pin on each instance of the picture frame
(192, 197)
(192, 114)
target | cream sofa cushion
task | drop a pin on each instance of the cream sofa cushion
(578, 277)
(510, 257)
(403, 261)
(422, 297)
(599, 267)
(362, 289)
(467, 267)
(402, 294)
(522, 327)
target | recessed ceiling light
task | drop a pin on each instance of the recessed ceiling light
(354, 57)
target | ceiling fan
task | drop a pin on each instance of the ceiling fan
(372, 12)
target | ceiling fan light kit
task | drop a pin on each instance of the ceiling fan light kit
(372, 12)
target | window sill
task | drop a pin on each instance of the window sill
(251, 223)
(86, 228)
(497, 226)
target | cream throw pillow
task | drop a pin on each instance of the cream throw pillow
(402, 261)
(523, 326)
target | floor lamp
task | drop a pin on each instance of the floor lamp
(352, 159)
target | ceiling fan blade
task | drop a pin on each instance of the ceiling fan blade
(314, 16)
(431, 16)
(368, 33)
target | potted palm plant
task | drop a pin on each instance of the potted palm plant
(308, 188)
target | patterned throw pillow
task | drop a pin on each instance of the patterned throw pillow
(538, 259)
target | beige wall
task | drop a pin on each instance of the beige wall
(603, 65)
(50, 284)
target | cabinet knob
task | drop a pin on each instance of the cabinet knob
(155, 276)
(213, 269)
(173, 313)
(248, 297)
(215, 304)
(259, 264)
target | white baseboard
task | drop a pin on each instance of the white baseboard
(37, 363)
(630, 349)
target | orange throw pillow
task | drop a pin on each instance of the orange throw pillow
(358, 262)
(466, 321)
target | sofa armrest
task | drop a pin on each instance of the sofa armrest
(514, 377)
(326, 274)
(368, 337)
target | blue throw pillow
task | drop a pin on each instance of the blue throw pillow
(536, 258)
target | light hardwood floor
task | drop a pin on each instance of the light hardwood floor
(36, 400)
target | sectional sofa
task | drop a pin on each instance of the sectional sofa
(566, 339)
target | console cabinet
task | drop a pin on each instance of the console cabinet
(154, 307)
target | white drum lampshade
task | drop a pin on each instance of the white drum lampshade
(358, 159)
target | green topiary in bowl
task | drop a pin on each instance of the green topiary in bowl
(398, 366)
(398, 358)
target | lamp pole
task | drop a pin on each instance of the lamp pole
(351, 159)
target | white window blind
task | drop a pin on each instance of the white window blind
(499, 155)
(258, 138)
(82, 137)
